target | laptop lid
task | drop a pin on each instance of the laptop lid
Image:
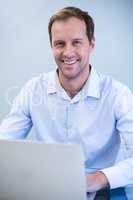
(40, 171)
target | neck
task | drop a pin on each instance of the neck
(73, 85)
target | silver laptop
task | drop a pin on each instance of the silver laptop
(40, 171)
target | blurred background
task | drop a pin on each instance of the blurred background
(24, 42)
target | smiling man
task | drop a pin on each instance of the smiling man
(76, 104)
(71, 48)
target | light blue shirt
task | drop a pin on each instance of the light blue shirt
(99, 117)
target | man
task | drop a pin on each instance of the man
(75, 104)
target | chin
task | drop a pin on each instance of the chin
(70, 76)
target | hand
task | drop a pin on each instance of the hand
(96, 181)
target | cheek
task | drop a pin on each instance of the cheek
(56, 54)
(82, 54)
(56, 57)
(84, 57)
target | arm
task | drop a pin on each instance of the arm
(121, 174)
(18, 122)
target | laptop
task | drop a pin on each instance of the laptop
(31, 170)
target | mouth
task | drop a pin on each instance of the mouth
(70, 61)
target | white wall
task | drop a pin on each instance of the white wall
(24, 41)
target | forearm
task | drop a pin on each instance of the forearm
(121, 174)
(96, 181)
(116, 176)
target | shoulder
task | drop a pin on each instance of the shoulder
(40, 81)
(116, 94)
(112, 86)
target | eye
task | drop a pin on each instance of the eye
(59, 44)
(77, 42)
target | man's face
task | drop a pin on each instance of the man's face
(71, 47)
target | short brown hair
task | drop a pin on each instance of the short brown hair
(68, 12)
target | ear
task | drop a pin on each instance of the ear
(93, 43)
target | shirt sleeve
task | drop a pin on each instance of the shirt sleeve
(121, 174)
(18, 122)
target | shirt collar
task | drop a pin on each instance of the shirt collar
(52, 82)
(91, 88)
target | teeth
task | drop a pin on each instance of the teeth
(69, 62)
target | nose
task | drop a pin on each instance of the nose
(68, 50)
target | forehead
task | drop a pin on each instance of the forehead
(68, 27)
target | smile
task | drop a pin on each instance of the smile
(70, 62)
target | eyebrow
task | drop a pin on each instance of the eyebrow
(61, 40)
(77, 39)
(56, 41)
